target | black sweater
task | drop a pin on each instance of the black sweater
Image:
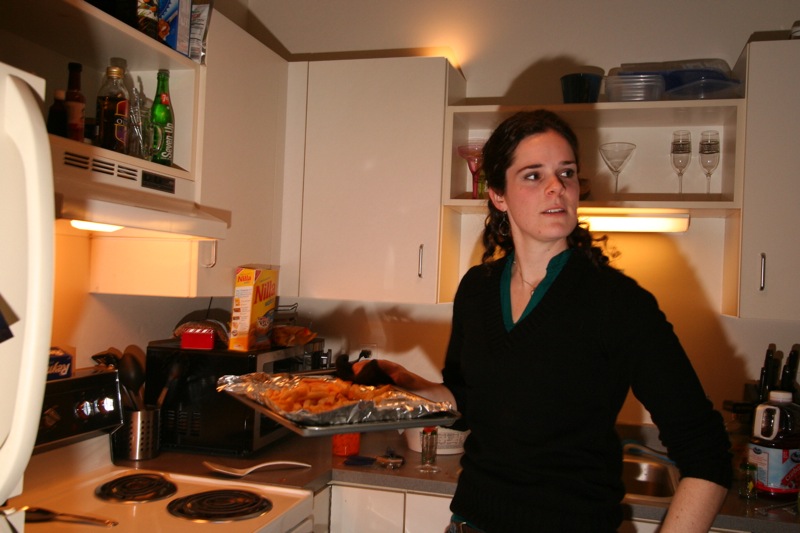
(542, 399)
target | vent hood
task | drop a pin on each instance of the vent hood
(100, 186)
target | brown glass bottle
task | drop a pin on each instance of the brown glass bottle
(76, 103)
(112, 112)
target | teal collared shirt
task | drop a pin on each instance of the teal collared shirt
(554, 268)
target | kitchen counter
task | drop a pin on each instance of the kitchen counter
(736, 514)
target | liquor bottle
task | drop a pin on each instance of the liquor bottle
(57, 115)
(76, 103)
(112, 112)
(162, 122)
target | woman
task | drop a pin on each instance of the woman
(547, 339)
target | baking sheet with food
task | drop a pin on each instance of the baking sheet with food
(326, 405)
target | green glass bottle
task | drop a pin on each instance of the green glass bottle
(163, 122)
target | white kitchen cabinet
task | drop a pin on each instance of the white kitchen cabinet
(761, 279)
(371, 182)
(322, 511)
(427, 513)
(366, 510)
(42, 36)
(244, 121)
(373, 510)
(230, 123)
(647, 181)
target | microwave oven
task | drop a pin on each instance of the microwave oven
(195, 417)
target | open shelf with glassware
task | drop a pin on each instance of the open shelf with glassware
(647, 182)
(648, 179)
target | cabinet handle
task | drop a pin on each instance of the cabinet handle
(763, 281)
(213, 259)
(419, 265)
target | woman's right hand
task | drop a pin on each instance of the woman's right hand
(410, 381)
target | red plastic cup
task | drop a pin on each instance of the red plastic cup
(346, 444)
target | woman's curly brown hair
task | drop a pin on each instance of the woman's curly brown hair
(498, 155)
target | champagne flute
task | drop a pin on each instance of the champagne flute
(473, 154)
(709, 154)
(681, 154)
(615, 155)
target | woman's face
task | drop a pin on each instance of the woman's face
(542, 189)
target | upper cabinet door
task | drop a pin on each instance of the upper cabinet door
(770, 238)
(372, 181)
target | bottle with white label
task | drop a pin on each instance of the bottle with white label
(775, 446)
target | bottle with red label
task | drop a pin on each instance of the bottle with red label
(775, 446)
(113, 106)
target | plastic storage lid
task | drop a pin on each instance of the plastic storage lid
(780, 396)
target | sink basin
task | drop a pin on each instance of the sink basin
(648, 479)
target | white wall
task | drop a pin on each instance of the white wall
(518, 49)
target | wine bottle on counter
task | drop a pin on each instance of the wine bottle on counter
(76, 103)
(113, 106)
(162, 122)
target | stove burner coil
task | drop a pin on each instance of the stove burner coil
(136, 488)
(220, 506)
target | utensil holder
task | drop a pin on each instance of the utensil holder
(139, 436)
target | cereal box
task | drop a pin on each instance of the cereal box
(254, 301)
(174, 23)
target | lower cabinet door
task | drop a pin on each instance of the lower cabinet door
(356, 509)
(426, 513)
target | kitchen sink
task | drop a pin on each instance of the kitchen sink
(648, 479)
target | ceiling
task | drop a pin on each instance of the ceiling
(514, 50)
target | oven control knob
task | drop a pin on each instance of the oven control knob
(106, 405)
(84, 409)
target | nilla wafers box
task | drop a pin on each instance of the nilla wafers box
(255, 297)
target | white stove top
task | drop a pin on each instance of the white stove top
(75, 493)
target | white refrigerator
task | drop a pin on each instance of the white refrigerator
(27, 216)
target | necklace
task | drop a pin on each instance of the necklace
(531, 285)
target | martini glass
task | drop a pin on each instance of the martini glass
(616, 154)
(473, 154)
(681, 154)
(709, 154)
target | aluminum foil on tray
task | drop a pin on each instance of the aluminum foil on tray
(327, 400)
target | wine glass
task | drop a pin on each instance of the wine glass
(615, 155)
(681, 154)
(473, 153)
(709, 154)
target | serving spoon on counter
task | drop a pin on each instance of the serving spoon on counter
(241, 472)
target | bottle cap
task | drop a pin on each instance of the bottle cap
(114, 72)
(780, 396)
